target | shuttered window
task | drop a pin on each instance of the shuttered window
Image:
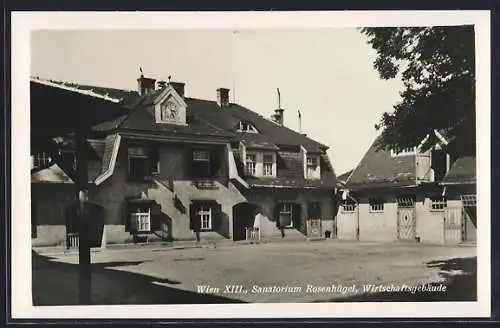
(288, 215)
(200, 164)
(205, 215)
(143, 216)
(143, 162)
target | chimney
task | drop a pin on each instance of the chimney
(278, 117)
(145, 85)
(223, 97)
(178, 87)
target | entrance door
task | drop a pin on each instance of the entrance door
(468, 222)
(314, 219)
(453, 225)
(243, 218)
(406, 219)
(469, 217)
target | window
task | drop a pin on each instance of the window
(312, 167)
(40, 159)
(348, 207)
(406, 201)
(247, 127)
(204, 215)
(138, 163)
(286, 215)
(438, 203)
(201, 164)
(250, 163)
(376, 205)
(404, 152)
(70, 157)
(469, 200)
(268, 165)
(140, 220)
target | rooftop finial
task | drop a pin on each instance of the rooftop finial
(169, 77)
(140, 69)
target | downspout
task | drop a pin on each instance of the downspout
(357, 217)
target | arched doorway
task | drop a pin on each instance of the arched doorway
(243, 217)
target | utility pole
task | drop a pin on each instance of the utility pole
(84, 265)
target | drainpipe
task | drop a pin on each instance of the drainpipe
(357, 218)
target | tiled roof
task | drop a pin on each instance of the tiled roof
(379, 169)
(141, 120)
(223, 120)
(344, 176)
(52, 174)
(227, 117)
(127, 98)
(463, 170)
(256, 141)
(206, 118)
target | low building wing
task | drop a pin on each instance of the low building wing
(379, 169)
(462, 171)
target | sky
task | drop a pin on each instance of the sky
(326, 73)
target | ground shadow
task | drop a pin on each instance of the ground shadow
(56, 283)
(460, 279)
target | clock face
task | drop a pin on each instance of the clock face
(169, 109)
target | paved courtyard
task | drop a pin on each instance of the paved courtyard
(276, 272)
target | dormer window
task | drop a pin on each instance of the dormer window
(260, 164)
(247, 127)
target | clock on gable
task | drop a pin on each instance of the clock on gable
(169, 110)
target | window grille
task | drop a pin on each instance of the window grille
(141, 221)
(469, 200)
(406, 201)
(201, 155)
(348, 208)
(376, 205)
(438, 204)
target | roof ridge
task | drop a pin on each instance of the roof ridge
(62, 82)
